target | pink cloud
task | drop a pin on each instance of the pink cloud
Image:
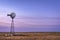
(27, 21)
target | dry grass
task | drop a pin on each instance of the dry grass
(31, 36)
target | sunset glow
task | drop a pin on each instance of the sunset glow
(31, 15)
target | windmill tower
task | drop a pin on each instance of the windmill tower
(12, 15)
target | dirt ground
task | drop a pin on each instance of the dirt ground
(31, 36)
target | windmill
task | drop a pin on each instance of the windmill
(12, 15)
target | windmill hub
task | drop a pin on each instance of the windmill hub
(12, 15)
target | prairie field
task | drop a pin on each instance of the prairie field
(30, 36)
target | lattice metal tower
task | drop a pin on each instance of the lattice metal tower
(12, 15)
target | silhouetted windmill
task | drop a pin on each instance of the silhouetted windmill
(12, 15)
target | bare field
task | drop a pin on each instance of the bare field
(31, 36)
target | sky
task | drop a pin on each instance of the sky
(31, 15)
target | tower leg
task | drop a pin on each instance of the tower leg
(12, 28)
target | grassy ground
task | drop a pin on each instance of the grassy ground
(31, 36)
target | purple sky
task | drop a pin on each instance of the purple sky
(31, 15)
